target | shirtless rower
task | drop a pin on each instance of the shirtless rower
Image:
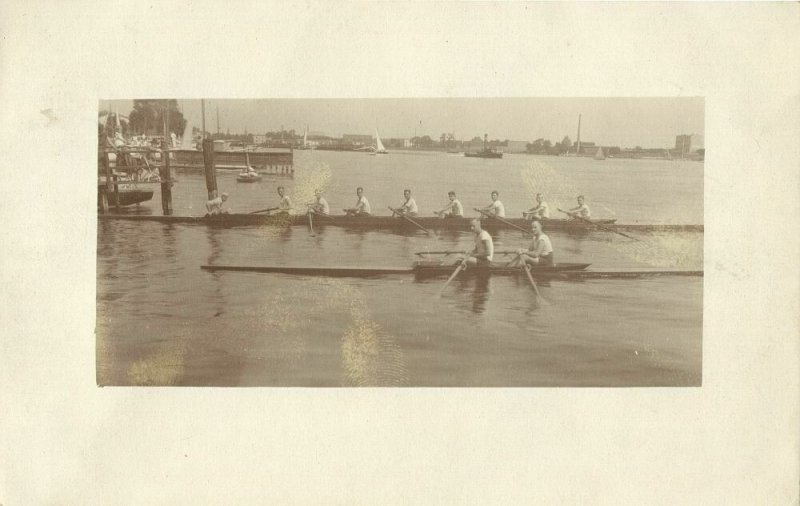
(453, 209)
(319, 205)
(582, 211)
(285, 204)
(483, 252)
(409, 207)
(541, 210)
(540, 251)
(362, 205)
(496, 208)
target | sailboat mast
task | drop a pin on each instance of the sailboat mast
(578, 142)
(203, 113)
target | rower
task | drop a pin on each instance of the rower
(409, 207)
(362, 205)
(483, 252)
(453, 209)
(582, 211)
(319, 205)
(285, 204)
(496, 208)
(214, 206)
(540, 252)
(541, 210)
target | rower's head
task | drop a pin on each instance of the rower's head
(539, 198)
(406, 193)
(359, 191)
(451, 195)
(536, 227)
(580, 199)
(318, 192)
(224, 196)
(280, 191)
(475, 226)
(495, 195)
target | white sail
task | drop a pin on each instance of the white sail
(186, 141)
(379, 145)
(599, 155)
(305, 138)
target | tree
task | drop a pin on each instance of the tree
(566, 144)
(147, 117)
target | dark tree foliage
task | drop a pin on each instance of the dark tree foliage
(147, 117)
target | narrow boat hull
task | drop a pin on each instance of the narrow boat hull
(396, 224)
(389, 222)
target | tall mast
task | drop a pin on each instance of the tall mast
(217, 120)
(203, 112)
(578, 142)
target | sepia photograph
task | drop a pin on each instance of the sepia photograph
(462, 242)
(399, 253)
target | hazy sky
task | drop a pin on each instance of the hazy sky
(624, 122)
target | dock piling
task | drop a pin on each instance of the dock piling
(166, 181)
(208, 163)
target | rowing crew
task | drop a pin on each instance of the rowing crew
(453, 208)
(539, 252)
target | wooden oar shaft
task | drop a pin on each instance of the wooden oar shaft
(394, 211)
(455, 273)
(263, 210)
(503, 220)
(597, 224)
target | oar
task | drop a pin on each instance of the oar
(394, 211)
(509, 252)
(533, 283)
(264, 210)
(597, 224)
(503, 220)
(421, 253)
(460, 267)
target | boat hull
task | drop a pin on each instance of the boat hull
(395, 224)
(248, 179)
(389, 222)
(130, 197)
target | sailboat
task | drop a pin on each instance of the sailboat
(379, 149)
(305, 145)
(599, 155)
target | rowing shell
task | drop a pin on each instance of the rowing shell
(388, 222)
(426, 269)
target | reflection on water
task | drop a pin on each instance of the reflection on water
(163, 321)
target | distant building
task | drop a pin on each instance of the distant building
(689, 143)
(407, 143)
(259, 138)
(358, 139)
(516, 147)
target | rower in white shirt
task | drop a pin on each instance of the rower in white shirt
(285, 203)
(362, 205)
(581, 211)
(409, 207)
(453, 209)
(541, 210)
(496, 208)
(319, 205)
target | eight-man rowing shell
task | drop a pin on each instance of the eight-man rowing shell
(389, 222)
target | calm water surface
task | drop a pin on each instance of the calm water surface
(163, 321)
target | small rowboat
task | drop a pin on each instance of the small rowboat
(248, 177)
